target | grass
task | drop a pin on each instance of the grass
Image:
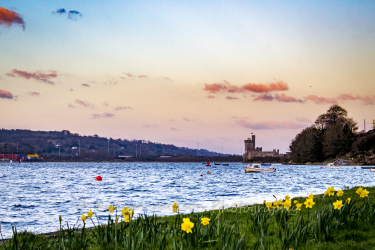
(250, 227)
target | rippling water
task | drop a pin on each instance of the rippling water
(32, 195)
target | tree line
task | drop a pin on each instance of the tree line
(332, 135)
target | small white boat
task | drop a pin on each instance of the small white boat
(256, 168)
(331, 165)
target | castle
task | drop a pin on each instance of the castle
(251, 151)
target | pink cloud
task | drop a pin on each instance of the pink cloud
(365, 99)
(104, 115)
(269, 124)
(265, 88)
(8, 17)
(321, 100)
(5, 94)
(33, 93)
(38, 75)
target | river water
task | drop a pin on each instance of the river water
(33, 195)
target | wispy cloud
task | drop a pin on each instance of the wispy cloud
(231, 98)
(5, 94)
(33, 93)
(8, 17)
(72, 14)
(38, 75)
(269, 124)
(321, 100)
(225, 86)
(103, 115)
(82, 103)
(123, 107)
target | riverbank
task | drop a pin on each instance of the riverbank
(336, 220)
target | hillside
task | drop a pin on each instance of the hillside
(70, 146)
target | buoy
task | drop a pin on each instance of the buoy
(98, 178)
(208, 172)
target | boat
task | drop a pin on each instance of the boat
(331, 165)
(256, 168)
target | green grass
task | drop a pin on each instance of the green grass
(250, 227)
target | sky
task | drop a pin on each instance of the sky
(197, 74)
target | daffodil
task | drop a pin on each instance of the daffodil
(311, 196)
(348, 200)
(175, 207)
(205, 221)
(338, 205)
(359, 190)
(287, 204)
(278, 204)
(187, 225)
(339, 193)
(299, 206)
(309, 203)
(83, 218)
(330, 191)
(125, 211)
(287, 197)
(111, 208)
(269, 205)
(364, 193)
(127, 218)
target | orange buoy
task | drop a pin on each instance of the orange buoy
(98, 178)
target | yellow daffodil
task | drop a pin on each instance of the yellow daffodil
(287, 197)
(295, 201)
(111, 209)
(127, 218)
(205, 221)
(269, 205)
(287, 204)
(364, 193)
(299, 206)
(338, 205)
(125, 211)
(175, 207)
(90, 214)
(339, 193)
(83, 218)
(348, 200)
(187, 225)
(311, 196)
(359, 190)
(309, 203)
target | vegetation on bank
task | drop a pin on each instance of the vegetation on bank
(333, 135)
(337, 219)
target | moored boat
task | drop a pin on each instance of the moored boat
(331, 165)
(256, 168)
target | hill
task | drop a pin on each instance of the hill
(67, 146)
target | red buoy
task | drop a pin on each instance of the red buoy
(98, 178)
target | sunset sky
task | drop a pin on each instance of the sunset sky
(187, 73)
